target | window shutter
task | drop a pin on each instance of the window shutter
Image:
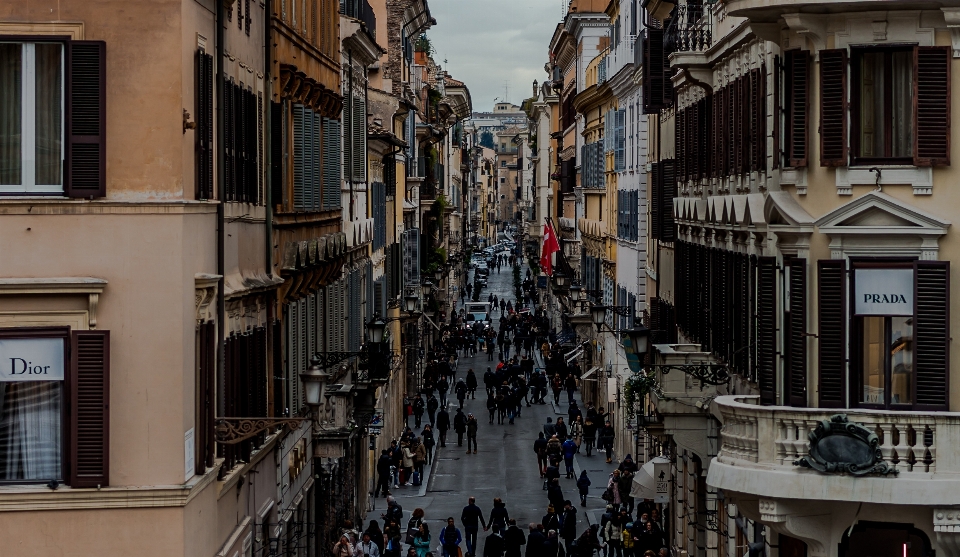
(833, 107)
(668, 190)
(716, 136)
(655, 201)
(331, 160)
(359, 140)
(832, 301)
(620, 154)
(757, 135)
(731, 135)
(797, 328)
(278, 139)
(203, 134)
(86, 119)
(742, 128)
(348, 137)
(679, 141)
(653, 71)
(931, 334)
(311, 161)
(299, 157)
(797, 97)
(89, 409)
(777, 107)
(226, 112)
(931, 106)
(767, 329)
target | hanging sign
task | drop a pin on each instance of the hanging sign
(884, 292)
(661, 475)
(31, 359)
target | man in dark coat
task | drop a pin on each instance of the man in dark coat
(493, 546)
(383, 474)
(460, 426)
(535, 541)
(513, 538)
(568, 524)
(443, 424)
(432, 405)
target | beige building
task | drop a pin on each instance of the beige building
(800, 213)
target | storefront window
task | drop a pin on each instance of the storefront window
(886, 364)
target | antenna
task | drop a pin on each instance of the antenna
(506, 91)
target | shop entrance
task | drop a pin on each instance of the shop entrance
(884, 539)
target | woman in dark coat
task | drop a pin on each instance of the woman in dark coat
(555, 493)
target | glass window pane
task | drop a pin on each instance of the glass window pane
(873, 359)
(11, 153)
(49, 114)
(901, 360)
(871, 104)
(30, 430)
(902, 104)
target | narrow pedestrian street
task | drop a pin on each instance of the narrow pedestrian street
(505, 465)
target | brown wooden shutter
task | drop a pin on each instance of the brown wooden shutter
(731, 135)
(89, 463)
(797, 96)
(767, 329)
(86, 133)
(655, 200)
(931, 106)
(833, 107)
(931, 333)
(832, 301)
(777, 108)
(668, 190)
(204, 130)
(796, 334)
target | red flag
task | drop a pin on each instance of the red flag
(550, 246)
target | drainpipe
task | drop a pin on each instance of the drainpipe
(221, 177)
(267, 146)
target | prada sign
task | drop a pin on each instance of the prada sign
(31, 359)
(884, 291)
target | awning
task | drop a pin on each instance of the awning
(644, 484)
(575, 353)
(590, 373)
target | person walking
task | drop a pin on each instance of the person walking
(460, 426)
(408, 462)
(442, 387)
(376, 535)
(472, 518)
(383, 474)
(493, 546)
(461, 391)
(498, 516)
(450, 538)
(492, 406)
(471, 433)
(513, 539)
(540, 447)
(576, 430)
(613, 536)
(432, 405)
(471, 384)
(569, 448)
(426, 437)
(571, 386)
(549, 429)
(366, 547)
(535, 541)
(562, 431)
(568, 524)
(421, 540)
(583, 486)
(550, 521)
(606, 436)
(589, 435)
(443, 424)
(418, 407)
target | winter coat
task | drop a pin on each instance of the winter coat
(443, 421)
(460, 422)
(513, 538)
(408, 457)
(471, 427)
(421, 545)
(583, 484)
(471, 381)
(612, 532)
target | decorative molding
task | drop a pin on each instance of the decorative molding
(946, 524)
(90, 286)
(205, 286)
(839, 446)
(230, 431)
(63, 206)
(952, 17)
(74, 30)
(921, 178)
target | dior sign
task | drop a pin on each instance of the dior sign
(31, 359)
(884, 291)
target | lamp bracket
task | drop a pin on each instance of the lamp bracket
(229, 431)
(707, 374)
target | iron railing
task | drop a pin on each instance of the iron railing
(360, 9)
(690, 29)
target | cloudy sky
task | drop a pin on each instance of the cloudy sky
(487, 43)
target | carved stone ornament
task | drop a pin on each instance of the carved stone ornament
(839, 446)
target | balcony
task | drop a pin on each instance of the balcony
(759, 445)
(691, 30)
(361, 10)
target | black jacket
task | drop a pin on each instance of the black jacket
(568, 523)
(443, 420)
(383, 465)
(432, 404)
(513, 538)
(493, 546)
(535, 544)
(460, 422)
(540, 446)
(472, 517)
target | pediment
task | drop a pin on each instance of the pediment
(879, 213)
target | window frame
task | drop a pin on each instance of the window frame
(63, 333)
(855, 348)
(856, 52)
(64, 42)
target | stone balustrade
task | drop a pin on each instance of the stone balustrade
(776, 436)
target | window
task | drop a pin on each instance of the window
(886, 364)
(31, 117)
(883, 99)
(36, 417)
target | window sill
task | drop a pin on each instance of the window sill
(920, 178)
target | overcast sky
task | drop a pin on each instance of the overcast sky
(487, 43)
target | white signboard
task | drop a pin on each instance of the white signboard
(661, 475)
(884, 292)
(188, 454)
(31, 359)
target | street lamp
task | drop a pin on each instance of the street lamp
(410, 303)
(377, 328)
(639, 339)
(561, 279)
(425, 288)
(313, 381)
(438, 274)
(598, 314)
(576, 292)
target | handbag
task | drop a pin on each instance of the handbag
(607, 495)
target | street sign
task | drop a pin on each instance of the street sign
(661, 475)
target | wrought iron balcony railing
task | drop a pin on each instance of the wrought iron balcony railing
(690, 29)
(360, 9)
